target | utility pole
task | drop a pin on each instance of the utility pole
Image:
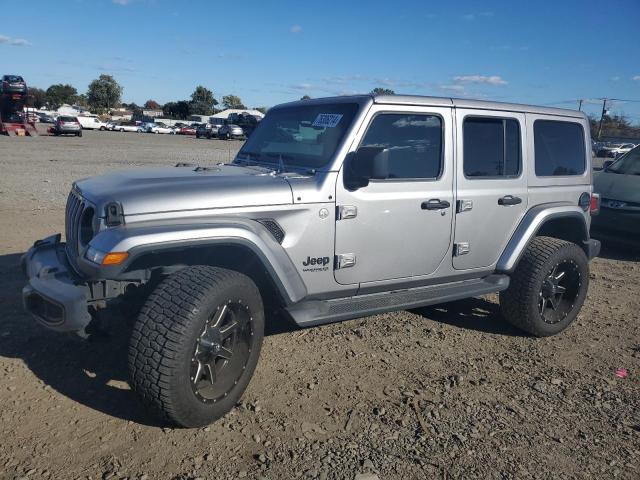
(604, 110)
(580, 105)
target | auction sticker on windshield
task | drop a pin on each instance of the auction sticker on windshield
(328, 120)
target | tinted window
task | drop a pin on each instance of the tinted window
(491, 147)
(67, 119)
(414, 143)
(559, 148)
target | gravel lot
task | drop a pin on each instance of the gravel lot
(449, 391)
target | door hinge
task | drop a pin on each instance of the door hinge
(461, 248)
(464, 206)
(347, 211)
(345, 260)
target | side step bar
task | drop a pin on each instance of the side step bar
(318, 312)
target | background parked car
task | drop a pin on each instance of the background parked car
(187, 130)
(622, 149)
(246, 121)
(203, 131)
(44, 118)
(229, 131)
(215, 124)
(130, 127)
(67, 126)
(162, 128)
(91, 123)
(112, 125)
(619, 187)
(13, 84)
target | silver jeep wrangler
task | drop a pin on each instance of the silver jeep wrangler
(333, 209)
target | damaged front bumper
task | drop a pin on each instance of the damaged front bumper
(55, 295)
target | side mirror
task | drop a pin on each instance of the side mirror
(366, 163)
(607, 164)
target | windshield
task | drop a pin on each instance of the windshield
(628, 164)
(303, 136)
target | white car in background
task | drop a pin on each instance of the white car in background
(619, 150)
(123, 127)
(91, 123)
(162, 128)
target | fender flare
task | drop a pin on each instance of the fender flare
(154, 237)
(529, 226)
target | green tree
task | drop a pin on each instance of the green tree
(232, 101)
(262, 110)
(58, 94)
(382, 91)
(305, 97)
(103, 94)
(37, 97)
(202, 101)
(152, 105)
(180, 110)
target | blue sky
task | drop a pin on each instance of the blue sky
(267, 52)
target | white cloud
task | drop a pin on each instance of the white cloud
(636, 78)
(480, 79)
(452, 88)
(16, 42)
(121, 2)
(302, 86)
(296, 29)
(615, 79)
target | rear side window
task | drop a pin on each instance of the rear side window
(414, 143)
(492, 147)
(559, 148)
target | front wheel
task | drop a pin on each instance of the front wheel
(79, 134)
(547, 288)
(195, 344)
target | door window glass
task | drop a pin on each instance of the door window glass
(414, 143)
(492, 147)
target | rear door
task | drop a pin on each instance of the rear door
(491, 184)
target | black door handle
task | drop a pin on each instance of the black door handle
(509, 200)
(435, 204)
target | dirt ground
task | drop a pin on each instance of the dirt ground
(449, 391)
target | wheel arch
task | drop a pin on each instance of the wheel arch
(237, 244)
(565, 222)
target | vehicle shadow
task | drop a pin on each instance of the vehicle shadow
(93, 373)
(471, 314)
(618, 250)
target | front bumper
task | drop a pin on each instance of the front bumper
(54, 295)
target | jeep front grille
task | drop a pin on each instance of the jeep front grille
(73, 215)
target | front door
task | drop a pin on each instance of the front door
(491, 184)
(400, 226)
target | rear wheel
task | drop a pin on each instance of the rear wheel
(80, 133)
(196, 344)
(548, 287)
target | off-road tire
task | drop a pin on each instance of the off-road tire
(520, 303)
(167, 330)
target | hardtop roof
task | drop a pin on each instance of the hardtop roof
(419, 100)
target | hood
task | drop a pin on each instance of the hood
(616, 186)
(153, 190)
